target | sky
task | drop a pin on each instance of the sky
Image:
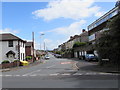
(58, 20)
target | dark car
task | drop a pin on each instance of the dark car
(90, 57)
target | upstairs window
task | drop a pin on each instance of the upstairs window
(23, 44)
(10, 44)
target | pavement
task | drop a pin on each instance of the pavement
(22, 67)
(80, 65)
(94, 67)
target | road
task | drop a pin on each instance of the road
(57, 73)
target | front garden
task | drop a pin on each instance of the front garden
(16, 63)
(8, 64)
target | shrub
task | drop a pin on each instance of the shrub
(5, 61)
(28, 57)
(16, 60)
(58, 52)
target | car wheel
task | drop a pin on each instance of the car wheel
(88, 60)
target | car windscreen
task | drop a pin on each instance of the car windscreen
(91, 55)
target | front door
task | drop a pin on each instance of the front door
(11, 57)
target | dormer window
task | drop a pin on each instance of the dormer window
(10, 43)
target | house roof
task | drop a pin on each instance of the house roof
(29, 44)
(9, 36)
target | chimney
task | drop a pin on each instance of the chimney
(83, 30)
(71, 37)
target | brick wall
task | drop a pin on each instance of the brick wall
(28, 50)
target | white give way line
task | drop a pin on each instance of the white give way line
(58, 74)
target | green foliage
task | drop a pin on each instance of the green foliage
(58, 52)
(28, 57)
(79, 44)
(5, 61)
(108, 46)
(16, 60)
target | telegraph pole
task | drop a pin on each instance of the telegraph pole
(40, 40)
(44, 46)
(33, 44)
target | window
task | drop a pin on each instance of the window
(21, 56)
(23, 44)
(92, 37)
(10, 44)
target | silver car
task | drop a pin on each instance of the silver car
(47, 57)
(90, 57)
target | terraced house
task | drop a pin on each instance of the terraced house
(99, 26)
(12, 47)
(90, 36)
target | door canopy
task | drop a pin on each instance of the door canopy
(10, 52)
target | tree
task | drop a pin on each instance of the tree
(108, 46)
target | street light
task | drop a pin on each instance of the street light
(40, 38)
(41, 34)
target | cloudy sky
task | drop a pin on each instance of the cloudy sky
(58, 19)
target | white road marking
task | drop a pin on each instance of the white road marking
(66, 74)
(50, 66)
(43, 75)
(8, 75)
(24, 75)
(94, 73)
(78, 74)
(55, 74)
(91, 73)
(31, 72)
(58, 74)
(105, 73)
(16, 75)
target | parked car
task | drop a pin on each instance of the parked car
(90, 57)
(58, 56)
(47, 57)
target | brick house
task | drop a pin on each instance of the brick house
(29, 48)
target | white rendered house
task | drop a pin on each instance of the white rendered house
(11, 47)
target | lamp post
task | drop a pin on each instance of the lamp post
(40, 38)
(41, 34)
(33, 45)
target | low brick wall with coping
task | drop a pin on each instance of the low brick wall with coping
(9, 65)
